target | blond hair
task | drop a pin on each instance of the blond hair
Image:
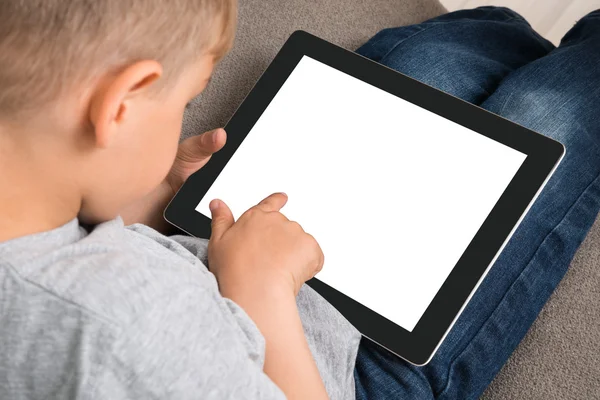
(48, 46)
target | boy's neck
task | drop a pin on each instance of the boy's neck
(33, 198)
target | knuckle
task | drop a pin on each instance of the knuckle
(277, 217)
(252, 212)
(321, 262)
(318, 255)
(296, 226)
(311, 239)
(265, 203)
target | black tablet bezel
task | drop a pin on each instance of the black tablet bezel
(543, 155)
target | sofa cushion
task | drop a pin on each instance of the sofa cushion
(264, 25)
(559, 358)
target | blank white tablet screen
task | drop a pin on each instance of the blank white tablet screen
(393, 193)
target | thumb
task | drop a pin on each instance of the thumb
(222, 218)
(200, 147)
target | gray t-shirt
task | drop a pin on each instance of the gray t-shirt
(127, 313)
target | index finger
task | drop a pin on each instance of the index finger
(273, 203)
(320, 256)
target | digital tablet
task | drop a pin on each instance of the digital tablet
(411, 193)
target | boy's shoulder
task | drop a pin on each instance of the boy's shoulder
(133, 313)
(113, 272)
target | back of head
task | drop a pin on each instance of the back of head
(49, 46)
(92, 95)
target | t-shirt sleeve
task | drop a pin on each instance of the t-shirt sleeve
(183, 347)
(196, 246)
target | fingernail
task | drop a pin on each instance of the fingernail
(214, 205)
(283, 193)
(214, 137)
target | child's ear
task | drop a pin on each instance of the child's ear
(116, 96)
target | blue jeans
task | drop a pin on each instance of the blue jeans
(492, 57)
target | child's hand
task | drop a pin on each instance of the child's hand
(192, 154)
(260, 262)
(263, 250)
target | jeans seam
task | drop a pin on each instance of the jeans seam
(404, 40)
(433, 24)
(468, 345)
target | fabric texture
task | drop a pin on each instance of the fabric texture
(128, 314)
(265, 25)
(491, 57)
(559, 357)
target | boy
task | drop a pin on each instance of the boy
(88, 127)
(91, 103)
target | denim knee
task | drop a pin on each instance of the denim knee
(587, 28)
(562, 113)
(465, 53)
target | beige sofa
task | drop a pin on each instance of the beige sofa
(560, 356)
